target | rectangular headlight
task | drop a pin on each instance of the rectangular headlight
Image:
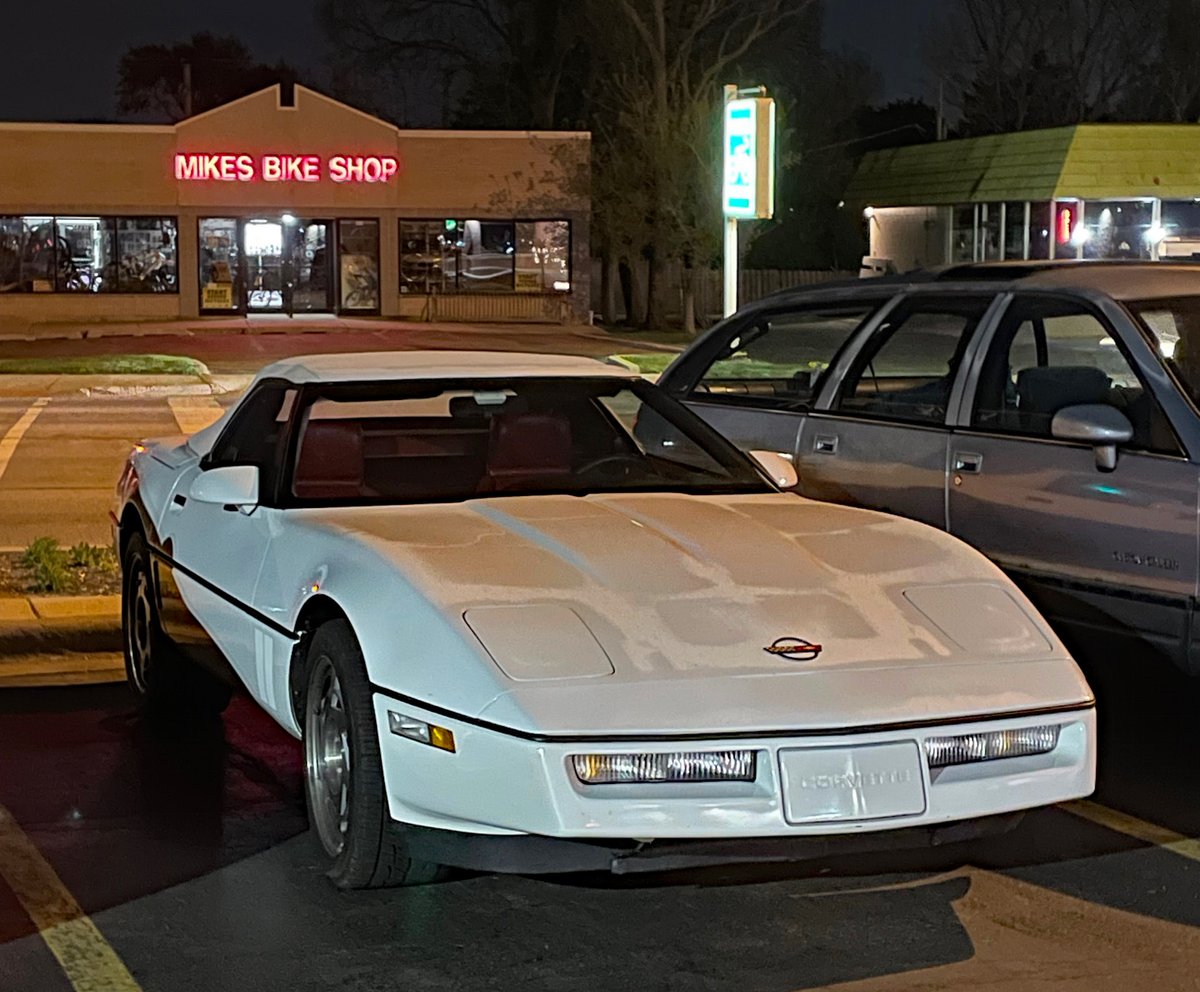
(676, 766)
(991, 745)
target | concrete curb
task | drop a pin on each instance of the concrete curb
(32, 609)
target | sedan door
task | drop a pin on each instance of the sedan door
(1111, 550)
(879, 436)
(755, 380)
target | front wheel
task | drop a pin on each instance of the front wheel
(159, 675)
(343, 777)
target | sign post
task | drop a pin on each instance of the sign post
(748, 188)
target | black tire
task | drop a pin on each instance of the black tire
(162, 679)
(365, 847)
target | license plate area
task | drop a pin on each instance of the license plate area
(843, 784)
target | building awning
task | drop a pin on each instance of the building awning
(1088, 161)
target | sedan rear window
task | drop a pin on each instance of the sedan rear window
(1174, 327)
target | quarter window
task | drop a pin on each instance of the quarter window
(1049, 354)
(779, 360)
(907, 371)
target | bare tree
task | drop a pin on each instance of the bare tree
(1025, 63)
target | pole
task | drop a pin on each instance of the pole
(731, 238)
(187, 89)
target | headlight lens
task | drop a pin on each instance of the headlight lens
(990, 746)
(676, 766)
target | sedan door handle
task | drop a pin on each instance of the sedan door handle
(968, 461)
(825, 444)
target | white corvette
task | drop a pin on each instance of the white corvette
(528, 613)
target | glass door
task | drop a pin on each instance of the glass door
(220, 285)
(308, 267)
(263, 241)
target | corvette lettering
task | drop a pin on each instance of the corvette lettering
(228, 167)
(855, 780)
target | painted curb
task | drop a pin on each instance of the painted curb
(26, 609)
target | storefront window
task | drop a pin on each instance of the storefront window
(146, 255)
(218, 263)
(1180, 229)
(40, 254)
(1117, 228)
(358, 255)
(1040, 230)
(1014, 229)
(990, 232)
(472, 256)
(543, 256)
(962, 234)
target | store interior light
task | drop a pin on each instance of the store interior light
(288, 219)
(1156, 234)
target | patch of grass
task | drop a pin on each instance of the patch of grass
(84, 555)
(105, 365)
(49, 566)
(646, 364)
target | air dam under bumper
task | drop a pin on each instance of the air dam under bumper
(499, 784)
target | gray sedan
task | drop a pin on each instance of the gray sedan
(1046, 413)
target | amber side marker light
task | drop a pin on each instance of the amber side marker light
(403, 725)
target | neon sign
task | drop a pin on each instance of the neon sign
(242, 168)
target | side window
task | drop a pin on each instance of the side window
(255, 435)
(778, 361)
(1049, 354)
(907, 370)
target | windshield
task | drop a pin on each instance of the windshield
(1174, 326)
(411, 442)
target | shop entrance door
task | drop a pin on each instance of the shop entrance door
(266, 265)
(308, 267)
(263, 254)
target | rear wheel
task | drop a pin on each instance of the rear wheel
(344, 791)
(161, 677)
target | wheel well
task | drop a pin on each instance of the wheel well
(317, 611)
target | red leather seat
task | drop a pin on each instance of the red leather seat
(330, 462)
(528, 451)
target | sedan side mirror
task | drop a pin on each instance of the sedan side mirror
(1102, 426)
(778, 467)
(227, 485)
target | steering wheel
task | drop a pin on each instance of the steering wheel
(626, 458)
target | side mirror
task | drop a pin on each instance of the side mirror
(1103, 427)
(778, 467)
(228, 485)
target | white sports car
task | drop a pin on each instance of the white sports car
(528, 613)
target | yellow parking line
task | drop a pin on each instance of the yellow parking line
(194, 413)
(1131, 826)
(8, 443)
(90, 963)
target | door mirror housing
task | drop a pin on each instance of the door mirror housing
(778, 467)
(1103, 427)
(227, 485)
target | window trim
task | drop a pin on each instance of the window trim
(966, 412)
(105, 219)
(265, 498)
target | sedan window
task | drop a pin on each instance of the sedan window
(777, 361)
(1051, 353)
(907, 371)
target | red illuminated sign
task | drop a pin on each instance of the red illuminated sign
(242, 168)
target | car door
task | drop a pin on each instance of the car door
(879, 436)
(215, 553)
(1108, 549)
(755, 380)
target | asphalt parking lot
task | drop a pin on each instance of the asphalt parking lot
(135, 855)
(186, 851)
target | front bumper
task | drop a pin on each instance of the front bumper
(496, 783)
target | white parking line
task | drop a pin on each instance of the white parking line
(194, 413)
(87, 959)
(8, 443)
(1131, 826)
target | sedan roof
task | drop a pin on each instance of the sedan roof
(383, 365)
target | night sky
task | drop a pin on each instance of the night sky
(60, 62)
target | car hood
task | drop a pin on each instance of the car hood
(621, 610)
